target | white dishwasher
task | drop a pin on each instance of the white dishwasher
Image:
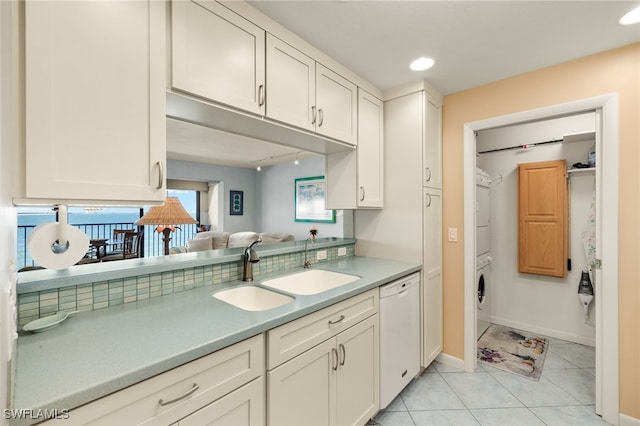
(399, 336)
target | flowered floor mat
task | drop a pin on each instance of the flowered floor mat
(515, 351)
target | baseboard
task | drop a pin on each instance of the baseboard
(451, 361)
(628, 421)
(570, 337)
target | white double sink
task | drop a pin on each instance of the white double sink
(313, 281)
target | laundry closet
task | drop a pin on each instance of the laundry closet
(535, 302)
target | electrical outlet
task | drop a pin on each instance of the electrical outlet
(321, 255)
(342, 251)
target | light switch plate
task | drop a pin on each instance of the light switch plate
(453, 234)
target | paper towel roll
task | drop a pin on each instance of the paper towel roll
(43, 247)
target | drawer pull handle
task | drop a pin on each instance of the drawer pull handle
(261, 95)
(195, 387)
(334, 351)
(336, 321)
(344, 353)
(313, 115)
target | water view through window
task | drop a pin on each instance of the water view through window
(99, 223)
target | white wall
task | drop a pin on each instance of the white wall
(268, 196)
(537, 303)
(276, 198)
(8, 215)
(232, 178)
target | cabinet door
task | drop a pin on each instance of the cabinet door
(336, 102)
(370, 150)
(291, 80)
(357, 387)
(432, 150)
(302, 390)
(432, 272)
(242, 407)
(217, 54)
(542, 218)
(95, 101)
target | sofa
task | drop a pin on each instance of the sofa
(212, 240)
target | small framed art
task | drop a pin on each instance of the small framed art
(236, 203)
(309, 201)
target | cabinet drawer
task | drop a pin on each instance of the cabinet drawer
(297, 336)
(244, 406)
(214, 375)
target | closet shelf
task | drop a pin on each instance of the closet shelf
(585, 170)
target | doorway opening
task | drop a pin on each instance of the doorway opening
(606, 300)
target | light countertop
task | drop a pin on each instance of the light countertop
(95, 353)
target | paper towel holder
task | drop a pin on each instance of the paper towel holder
(62, 244)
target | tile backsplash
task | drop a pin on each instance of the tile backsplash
(105, 293)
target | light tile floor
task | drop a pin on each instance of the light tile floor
(442, 395)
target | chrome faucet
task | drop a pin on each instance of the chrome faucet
(250, 257)
(313, 232)
(307, 263)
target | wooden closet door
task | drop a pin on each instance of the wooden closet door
(542, 218)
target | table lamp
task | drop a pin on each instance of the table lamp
(167, 217)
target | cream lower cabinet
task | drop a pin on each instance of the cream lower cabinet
(432, 273)
(334, 383)
(323, 368)
(225, 387)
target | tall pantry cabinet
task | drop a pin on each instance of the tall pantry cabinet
(409, 228)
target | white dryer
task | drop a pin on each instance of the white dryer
(483, 212)
(483, 293)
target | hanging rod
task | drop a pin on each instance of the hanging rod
(525, 146)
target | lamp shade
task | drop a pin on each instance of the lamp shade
(170, 213)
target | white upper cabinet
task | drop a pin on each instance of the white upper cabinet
(303, 93)
(94, 103)
(217, 55)
(432, 147)
(336, 106)
(370, 151)
(291, 80)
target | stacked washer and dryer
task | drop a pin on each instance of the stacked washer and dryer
(483, 246)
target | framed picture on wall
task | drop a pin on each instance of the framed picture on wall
(236, 203)
(309, 201)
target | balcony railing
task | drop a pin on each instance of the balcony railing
(152, 241)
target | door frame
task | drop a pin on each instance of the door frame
(607, 341)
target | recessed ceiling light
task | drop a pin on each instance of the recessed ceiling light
(422, 64)
(632, 17)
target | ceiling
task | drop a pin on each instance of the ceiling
(472, 42)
